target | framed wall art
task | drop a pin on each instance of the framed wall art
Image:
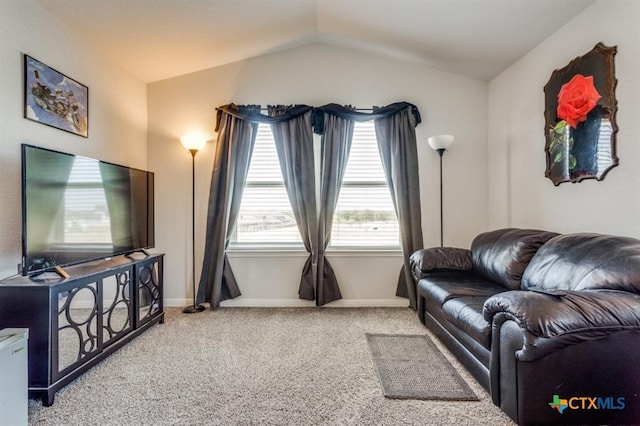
(54, 99)
(580, 118)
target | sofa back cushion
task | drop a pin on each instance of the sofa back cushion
(502, 255)
(585, 262)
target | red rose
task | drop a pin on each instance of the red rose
(576, 99)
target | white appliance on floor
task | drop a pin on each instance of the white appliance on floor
(13, 376)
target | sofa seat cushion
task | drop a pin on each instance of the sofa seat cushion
(466, 313)
(440, 287)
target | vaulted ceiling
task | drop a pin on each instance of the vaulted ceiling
(160, 39)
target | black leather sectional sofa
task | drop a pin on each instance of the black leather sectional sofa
(549, 324)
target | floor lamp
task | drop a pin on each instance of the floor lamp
(193, 143)
(440, 143)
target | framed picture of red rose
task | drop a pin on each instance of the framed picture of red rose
(580, 118)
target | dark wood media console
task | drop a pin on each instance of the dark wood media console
(76, 322)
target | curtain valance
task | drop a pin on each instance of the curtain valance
(251, 113)
(349, 113)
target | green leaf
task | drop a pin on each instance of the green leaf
(572, 162)
(558, 157)
(559, 128)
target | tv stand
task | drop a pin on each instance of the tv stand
(77, 321)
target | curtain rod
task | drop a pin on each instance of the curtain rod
(357, 109)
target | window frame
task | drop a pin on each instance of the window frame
(285, 248)
(382, 183)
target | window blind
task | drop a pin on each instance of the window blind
(265, 217)
(364, 217)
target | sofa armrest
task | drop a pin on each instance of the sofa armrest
(439, 259)
(554, 319)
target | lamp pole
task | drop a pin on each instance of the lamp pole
(440, 152)
(193, 144)
(440, 144)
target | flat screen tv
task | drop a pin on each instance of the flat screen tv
(77, 209)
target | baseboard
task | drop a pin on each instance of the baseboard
(298, 303)
(177, 303)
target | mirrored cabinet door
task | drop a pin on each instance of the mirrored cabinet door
(149, 291)
(116, 306)
(77, 331)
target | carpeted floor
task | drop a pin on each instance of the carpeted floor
(257, 366)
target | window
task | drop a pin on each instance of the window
(364, 217)
(265, 217)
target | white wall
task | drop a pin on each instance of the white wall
(315, 74)
(519, 194)
(117, 109)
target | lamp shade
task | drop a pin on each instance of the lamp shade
(440, 141)
(193, 141)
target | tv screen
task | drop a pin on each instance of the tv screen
(76, 209)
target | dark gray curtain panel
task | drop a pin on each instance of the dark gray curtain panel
(396, 137)
(294, 145)
(236, 137)
(336, 144)
(237, 127)
(395, 132)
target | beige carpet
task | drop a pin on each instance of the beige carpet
(257, 366)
